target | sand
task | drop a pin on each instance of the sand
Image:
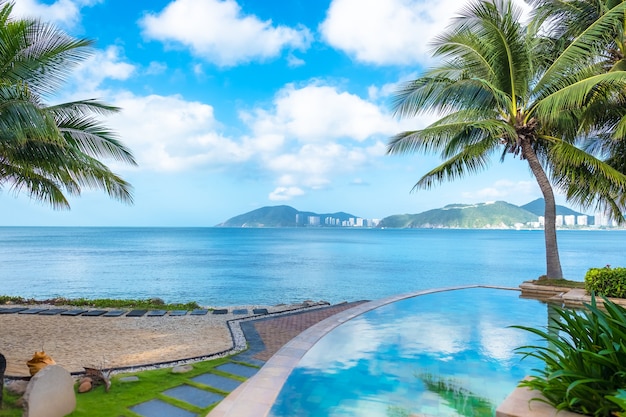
(111, 342)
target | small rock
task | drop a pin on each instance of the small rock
(181, 369)
(16, 387)
(131, 378)
(85, 385)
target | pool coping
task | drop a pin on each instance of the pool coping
(256, 396)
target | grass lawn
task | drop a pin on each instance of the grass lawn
(122, 395)
(565, 283)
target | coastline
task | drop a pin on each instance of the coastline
(124, 342)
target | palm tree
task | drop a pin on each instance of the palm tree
(496, 94)
(566, 20)
(49, 150)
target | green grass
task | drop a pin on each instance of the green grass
(148, 304)
(558, 283)
(8, 408)
(122, 395)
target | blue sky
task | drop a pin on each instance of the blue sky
(231, 105)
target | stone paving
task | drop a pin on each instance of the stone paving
(265, 336)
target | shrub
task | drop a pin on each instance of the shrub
(585, 359)
(606, 281)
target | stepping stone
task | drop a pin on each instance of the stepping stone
(12, 310)
(260, 311)
(73, 312)
(156, 313)
(237, 369)
(132, 378)
(178, 313)
(158, 408)
(94, 313)
(194, 396)
(52, 312)
(136, 313)
(114, 313)
(241, 311)
(220, 311)
(32, 311)
(215, 381)
(199, 312)
(182, 369)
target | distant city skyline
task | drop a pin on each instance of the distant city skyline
(231, 105)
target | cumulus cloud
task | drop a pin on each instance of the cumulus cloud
(171, 134)
(65, 13)
(285, 193)
(319, 113)
(103, 64)
(391, 32)
(221, 33)
(502, 190)
(312, 133)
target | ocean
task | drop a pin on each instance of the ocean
(232, 266)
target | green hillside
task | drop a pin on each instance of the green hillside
(498, 214)
(537, 207)
(282, 216)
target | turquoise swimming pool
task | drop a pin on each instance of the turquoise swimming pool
(448, 353)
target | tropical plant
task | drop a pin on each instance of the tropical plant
(565, 21)
(46, 150)
(607, 281)
(585, 358)
(497, 93)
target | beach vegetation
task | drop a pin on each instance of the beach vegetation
(51, 151)
(565, 283)
(584, 356)
(497, 89)
(607, 281)
(149, 303)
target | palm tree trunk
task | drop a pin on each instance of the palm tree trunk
(553, 263)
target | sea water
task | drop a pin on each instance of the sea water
(232, 266)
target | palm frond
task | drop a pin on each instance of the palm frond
(474, 158)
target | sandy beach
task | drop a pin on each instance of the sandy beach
(113, 342)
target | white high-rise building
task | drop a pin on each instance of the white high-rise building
(559, 220)
(601, 219)
(570, 220)
(582, 220)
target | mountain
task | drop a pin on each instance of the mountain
(537, 207)
(285, 216)
(498, 214)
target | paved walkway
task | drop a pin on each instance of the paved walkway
(265, 336)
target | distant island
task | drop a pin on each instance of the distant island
(490, 215)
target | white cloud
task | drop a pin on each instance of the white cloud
(285, 193)
(313, 133)
(391, 32)
(155, 68)
(65, 13)
(171, 134)
(219, 32)
(102, 65)
(320, 113)
(504, 190)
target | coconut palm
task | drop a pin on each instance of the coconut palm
(497, 95)
(566, 20)
(48, 151)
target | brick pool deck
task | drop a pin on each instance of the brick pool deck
(275, 332)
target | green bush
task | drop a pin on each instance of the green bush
(584, 357)
(606, 281)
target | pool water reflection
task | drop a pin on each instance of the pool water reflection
(441, 354)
